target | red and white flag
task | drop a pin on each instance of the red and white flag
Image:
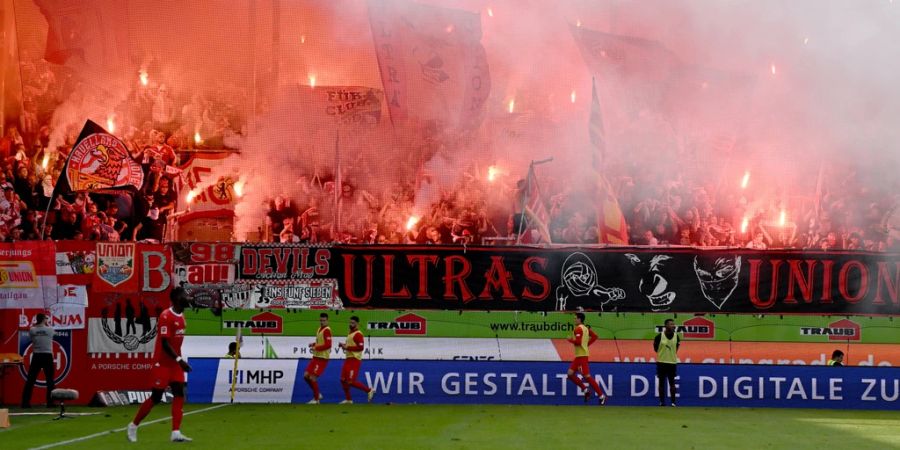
(433, 66)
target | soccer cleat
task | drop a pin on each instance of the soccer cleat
(178, 437)
(673, 404)
(371, 395)
(313, 402)
(587, 396)
(602, 399)
(320, 397)
(131, 432)
(346, 402)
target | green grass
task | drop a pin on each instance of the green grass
(368, 427)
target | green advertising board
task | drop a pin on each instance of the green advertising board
(483, 324)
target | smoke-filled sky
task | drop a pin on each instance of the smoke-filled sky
(820, 85)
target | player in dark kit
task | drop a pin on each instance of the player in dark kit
(168, 367)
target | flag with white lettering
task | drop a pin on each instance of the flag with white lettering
(433, 65)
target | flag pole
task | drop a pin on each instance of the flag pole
(237, 352)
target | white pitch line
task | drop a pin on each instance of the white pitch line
(117, 430)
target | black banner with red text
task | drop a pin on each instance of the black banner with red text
(622, 280)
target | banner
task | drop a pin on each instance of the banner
(27, 275)
(120, 334)
(618, 280)
(276, 263)
(800, 329)
(488, 382)
(208, 272)
(76, 262)
(62, 356)
(305, 294)
(256, 381)
(218, 195)
(346, 105)
(116, 268)
(433, 66)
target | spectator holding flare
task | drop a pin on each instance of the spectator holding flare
(353, 348)
(321, 351)
(582, 338)
(666, 346)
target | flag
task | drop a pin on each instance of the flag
(269, 351)
(433, 65)
(636, 73)
(98, 161)
(92, 32)
(611, 226)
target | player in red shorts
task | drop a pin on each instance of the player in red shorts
(582, 339)
(353, 348)
(321, 351)
(168, 367)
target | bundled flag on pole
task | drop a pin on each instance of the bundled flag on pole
(536, 214)
(611, 227)
(269, 351)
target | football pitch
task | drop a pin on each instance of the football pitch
(380, 426)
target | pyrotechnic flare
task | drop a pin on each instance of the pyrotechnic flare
(572, 96)
(745, 180)
(512, 105)
(492, 173)
(239, 188)
(302, 38)
(783, 218)
(744, 224)
(578, 23)
(111, 123)
(197, 139)
(145, 79)
(413, 220)
(190, 196)
(312, 81)
(773, 69)
(45, 162)
(490, 12)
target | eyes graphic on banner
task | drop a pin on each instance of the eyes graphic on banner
(653, 284)
(579, 279)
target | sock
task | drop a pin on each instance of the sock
(143, 411)
(177, 412)
(346, 387)
(574, 379)
(357, 384)
(315, 388)
(594, 385)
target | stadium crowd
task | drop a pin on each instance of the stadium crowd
(680, 210)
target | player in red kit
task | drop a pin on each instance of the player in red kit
(168, 367)
(353, 348)
(582, 338)
(321, 351)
